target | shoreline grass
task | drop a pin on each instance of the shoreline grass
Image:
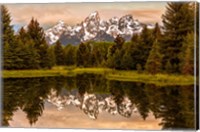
(110, 74)
(158, 79)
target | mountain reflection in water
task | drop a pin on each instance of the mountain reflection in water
(129, 103)
(92, 104)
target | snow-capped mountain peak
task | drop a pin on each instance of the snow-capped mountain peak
(53, 34)
(91, 26)
(94, 28)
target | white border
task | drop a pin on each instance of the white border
(76, 1)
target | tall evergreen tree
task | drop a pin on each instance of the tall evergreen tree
(32, 57)
(117, 58)
(154, 61)
(135, 51)
(119, 41)
(178, 20)
(84, 55)
(135, 38)
(8, 32)
(110, 61)
(36, 33)
(23, 35)
(113, 60)
(144, 46)
(96, 57)
(70, 54)
(51, 56)
(187, 66)
(127, 61)
(7, 57)
(80, 54)
(59, 53)
(29, 53)
(9, 43)
(156, 32)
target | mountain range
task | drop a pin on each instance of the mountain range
(94, 28)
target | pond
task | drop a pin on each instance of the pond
(91, 101)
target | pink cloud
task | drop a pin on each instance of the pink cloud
(71, 13)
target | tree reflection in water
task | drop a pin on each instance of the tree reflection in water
(93, 94)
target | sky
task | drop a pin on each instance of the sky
(74, 13)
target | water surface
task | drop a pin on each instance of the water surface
(91, 101)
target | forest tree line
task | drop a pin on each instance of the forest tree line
(168, 51)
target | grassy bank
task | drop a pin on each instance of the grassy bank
(58, 71)
(158, 79)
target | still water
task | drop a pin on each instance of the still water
(91, 101)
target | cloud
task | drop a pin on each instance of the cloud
(45, 14)
(72, 13)
(148, 16)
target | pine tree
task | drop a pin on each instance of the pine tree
(29, 53)
(6, 56)
(23, 35)
(70, 54)
(135, 50)
(93, 59)
(187, 66)
(52, 56)
(45, 57)
(156, 32)
(135, 38)
(32, 56)
(127, 61)
(80, 54)
(114, 59)
(153, 64)
(59, 53)
(8, 32)
(117, 58)
(144, 46)
(178, 20)
(110, 61)
(18, 55)
(154, 61)
(84, 55)
(36, 34)
(119, 41)
(8, 39)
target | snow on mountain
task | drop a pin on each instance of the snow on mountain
(93, 28)
(54, 33)
(126, 24)
(103, 25)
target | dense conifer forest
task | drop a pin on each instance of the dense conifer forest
(170, 50)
